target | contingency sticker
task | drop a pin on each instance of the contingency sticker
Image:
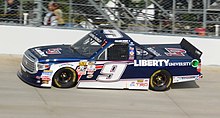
(53, 51)
(175, 52)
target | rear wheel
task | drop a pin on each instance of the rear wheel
(65, 78)
(160, 80)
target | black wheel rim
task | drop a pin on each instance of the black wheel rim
(64, 77)
(160, 80)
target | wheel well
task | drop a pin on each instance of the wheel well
(165, 85)
(65, 77)
(64, 68)
(162, 70)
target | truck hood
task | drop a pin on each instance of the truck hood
(56, 52)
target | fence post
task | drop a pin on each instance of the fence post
(37, 12)
(70, 13)
(217, 30)
(189, 5)
(20, 11)
(173, 17)
(146, 6)
(25, 18)
(204, 13)
(6, 6)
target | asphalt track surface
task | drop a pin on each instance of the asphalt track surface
(200, 99)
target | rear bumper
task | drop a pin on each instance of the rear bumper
(200, 76)
(186, 78)
(28, 78)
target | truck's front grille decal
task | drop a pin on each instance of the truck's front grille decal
(29, 63)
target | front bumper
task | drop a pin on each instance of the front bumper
(29, 79)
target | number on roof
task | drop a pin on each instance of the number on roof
(112, 34)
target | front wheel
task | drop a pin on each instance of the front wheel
(160, 80)
(65, 78)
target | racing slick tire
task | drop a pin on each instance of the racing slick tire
(65, 78)
(160, 80)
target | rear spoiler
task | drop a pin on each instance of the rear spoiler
(191, 50)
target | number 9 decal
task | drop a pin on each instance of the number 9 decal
(112, 34)
(112, 72)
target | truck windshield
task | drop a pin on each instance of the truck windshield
(86, 46)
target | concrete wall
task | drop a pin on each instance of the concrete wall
(16, 39)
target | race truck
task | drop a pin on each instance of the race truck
(111, 59)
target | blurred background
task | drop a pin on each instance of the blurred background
(177, 17)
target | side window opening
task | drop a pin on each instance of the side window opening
(116, 52)
(103, 55)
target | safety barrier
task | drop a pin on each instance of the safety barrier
(16, 39)
(159, 16)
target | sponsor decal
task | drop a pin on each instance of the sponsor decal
(195, 63)
(66, 64)
(180, 64)
(47, 73)
(131, 44)
(81, 70)
(175, 52)
(139, 83)
(140, 80)
(95, 38)
(104, 43)
(141, 52)
(45, 78)
(86, 67)
(53, 51)
(26, 62)
(132, 84)
(154, 52)
(131, 53)
(91, 66)
(185, 78)
(160, 62)
(121, 41)
(83, 63)
(45, 82)
(40, 52)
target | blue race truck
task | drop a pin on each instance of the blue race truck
(111, 59)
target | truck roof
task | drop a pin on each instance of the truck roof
(110, 35)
